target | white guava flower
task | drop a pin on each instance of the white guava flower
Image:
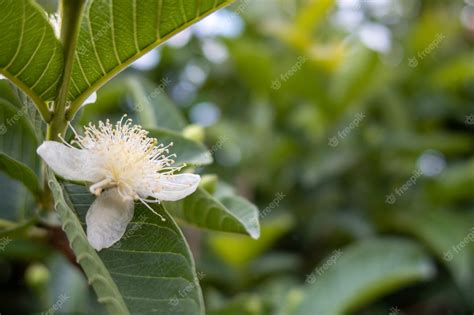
(122, 164)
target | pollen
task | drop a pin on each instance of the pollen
(126, 158)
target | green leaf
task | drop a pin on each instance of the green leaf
(154, 109)
(241, 305)
(187, 151)
(68, 280)
(231, 214)
(33, 116)
(362, 273)
(148, 101)
(18, 138)
(238, 251)
(151, 265)
(86, 256)
(114, 34)
(20, 172)
(31, 55)
(18, 142)
(449, 235)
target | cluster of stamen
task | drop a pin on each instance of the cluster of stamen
(126, 158)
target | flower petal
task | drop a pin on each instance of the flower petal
(69, 163)
(175, 187)
(107, 219)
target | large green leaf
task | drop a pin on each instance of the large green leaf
(31, 55)
(231, 214)
(187, 151)
(151, 266)
(362, 273)
(113, 34)
(448, 235)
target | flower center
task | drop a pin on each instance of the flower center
(126, 157)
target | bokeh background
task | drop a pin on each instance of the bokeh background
(349, 123)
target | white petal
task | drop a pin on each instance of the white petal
(175, 187)
(107, 219)
(90, 100)
(69, 163)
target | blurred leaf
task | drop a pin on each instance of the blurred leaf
(19, 143)
(347, 86)
(282, 294)
(70, 285)
(16, 200)
(448, 143)
(456, 182)
(19, 230)
(20, 172)
(187, 151)
(254, 64)
(313, 14)
(455, 71)
(449, 235)
(209, 183)
(8, 94)
(18, 138)
(229, 214)
(275, 263)
(364, 272)
(25, 250)
(151, 265)
(237, 250)
(154, 109)
(242, 305)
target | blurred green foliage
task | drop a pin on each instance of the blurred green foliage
(360, 113)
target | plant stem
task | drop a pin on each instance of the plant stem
(71, 13)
